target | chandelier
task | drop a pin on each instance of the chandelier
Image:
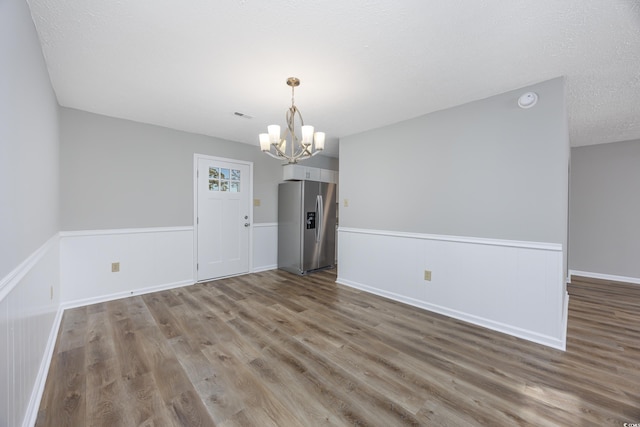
(299, 148)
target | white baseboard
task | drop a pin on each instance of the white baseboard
(265, 268)
(119, 295)
(614, 278)
(479, 321)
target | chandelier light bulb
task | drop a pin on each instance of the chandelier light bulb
(265, 141)
(319, 140)
(307, 135)
(274, 133)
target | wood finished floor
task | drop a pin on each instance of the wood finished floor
(274, 349)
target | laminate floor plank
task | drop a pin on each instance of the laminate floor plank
(189, 411)
(361, 394)
(129, 349)
(169, 298)
(65, 402)
(356, 361)
(104, 407)
(73, 328)
(163, 316)
(99, 341)
(145, 405)
(323, 384)
(228, 290)
(294, 392)
(170, 377)
(383, 361)
(275, 349)
(278, 317)
(317, 386)
(242, 385)
(105, 389)
(274, 297)
(224, 307)
(196, 328)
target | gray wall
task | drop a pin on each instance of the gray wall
(604, 226)
(122, 174)
(483, 169)
(28, 140)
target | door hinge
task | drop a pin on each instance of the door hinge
(197, 173)
(197, 220)
(197, 266)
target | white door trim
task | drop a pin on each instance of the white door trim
(197, 156)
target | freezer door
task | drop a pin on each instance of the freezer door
(290, 226)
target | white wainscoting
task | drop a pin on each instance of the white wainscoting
(74, 269)
(265, 246)
(29, 319)
(151, 259)
(513, 287)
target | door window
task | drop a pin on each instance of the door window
(223, 179)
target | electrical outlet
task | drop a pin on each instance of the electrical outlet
(115, 267)
(427, 275)
(256, 202)
(346, 203)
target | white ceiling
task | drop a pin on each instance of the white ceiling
(191, 64)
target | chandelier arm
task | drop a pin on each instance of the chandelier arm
(300, 115)
(289, 159)
(295, 155)
(273, 155)
(306, 150)
(280, 152)
(290, 116)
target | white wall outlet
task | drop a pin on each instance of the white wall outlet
(115, 267)
(427, 275)
(346, 203)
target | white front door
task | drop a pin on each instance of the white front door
(223, 217)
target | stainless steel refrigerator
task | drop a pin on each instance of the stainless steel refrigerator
(306, 226)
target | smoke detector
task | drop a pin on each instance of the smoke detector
(528, 100)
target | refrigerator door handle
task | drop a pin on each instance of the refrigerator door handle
(319, 218)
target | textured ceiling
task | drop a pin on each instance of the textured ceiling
(191, 64)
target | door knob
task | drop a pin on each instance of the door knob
(246, 224)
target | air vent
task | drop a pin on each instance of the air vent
(246, 116)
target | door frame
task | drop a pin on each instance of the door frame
(196, 157)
